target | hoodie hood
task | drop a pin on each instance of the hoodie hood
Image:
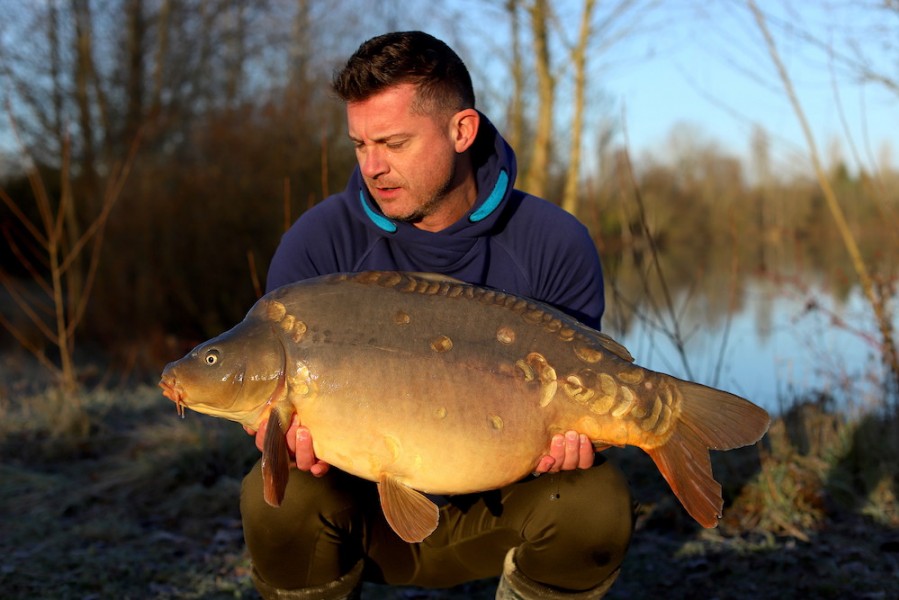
(495, 171)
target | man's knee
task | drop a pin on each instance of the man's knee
(306, 499)
(307, 540)
(603, 504)
(583, 539)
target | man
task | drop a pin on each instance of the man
(433, 191)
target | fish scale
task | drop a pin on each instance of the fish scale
(412, 380)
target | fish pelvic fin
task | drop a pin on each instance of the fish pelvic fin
(275, 456)
(409, 512)
(710, 419)
(275, 461)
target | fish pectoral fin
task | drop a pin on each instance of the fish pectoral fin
(275, 461)
(409, 512)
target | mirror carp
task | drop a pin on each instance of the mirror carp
(411, 380)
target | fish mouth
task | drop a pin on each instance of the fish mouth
(173, 391)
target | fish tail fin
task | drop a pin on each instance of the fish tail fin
(710, 419)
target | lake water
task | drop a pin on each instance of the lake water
(777, 345)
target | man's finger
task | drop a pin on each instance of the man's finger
(545, 464)
(572, 451)
(557, 452)
(319, 468)
(305, 454)
(303, 448)
(292, 433)
(260, 435)
(587, 454)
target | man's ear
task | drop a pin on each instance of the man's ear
(464, 128)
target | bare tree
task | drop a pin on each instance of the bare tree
(160, 56)
(56, 67)
(236, 51)
(135, 35)
(85, 85)
(300, 45)
(579, 62)
(515, 128)
(536, 175)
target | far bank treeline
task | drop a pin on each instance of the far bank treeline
(236, 134)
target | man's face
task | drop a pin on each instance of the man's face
(408, 160)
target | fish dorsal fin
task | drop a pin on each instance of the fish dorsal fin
(275, 461)
(612, 346)
(409, 512)
(435, 277)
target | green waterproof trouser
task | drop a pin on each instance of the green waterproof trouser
(571, 529)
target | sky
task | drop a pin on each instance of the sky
(714, 71)
(705, 65)
(698, 65)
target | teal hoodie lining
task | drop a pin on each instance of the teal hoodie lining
(493, 200)
(490, 204)
(380, 220)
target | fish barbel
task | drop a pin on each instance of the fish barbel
(410, 380)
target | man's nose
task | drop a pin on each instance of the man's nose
(372, 162)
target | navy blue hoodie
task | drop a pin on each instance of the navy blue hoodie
(509, 240)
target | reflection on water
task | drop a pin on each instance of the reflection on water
(776, 345)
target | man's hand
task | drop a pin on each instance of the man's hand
(567, 452)
(299, 442)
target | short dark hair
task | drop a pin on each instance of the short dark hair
(407, 57)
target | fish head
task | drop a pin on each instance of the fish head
(237, 375)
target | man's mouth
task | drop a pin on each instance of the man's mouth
(386, 191)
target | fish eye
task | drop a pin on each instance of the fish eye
(212, 357)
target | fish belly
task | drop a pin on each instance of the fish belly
(438, 428)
